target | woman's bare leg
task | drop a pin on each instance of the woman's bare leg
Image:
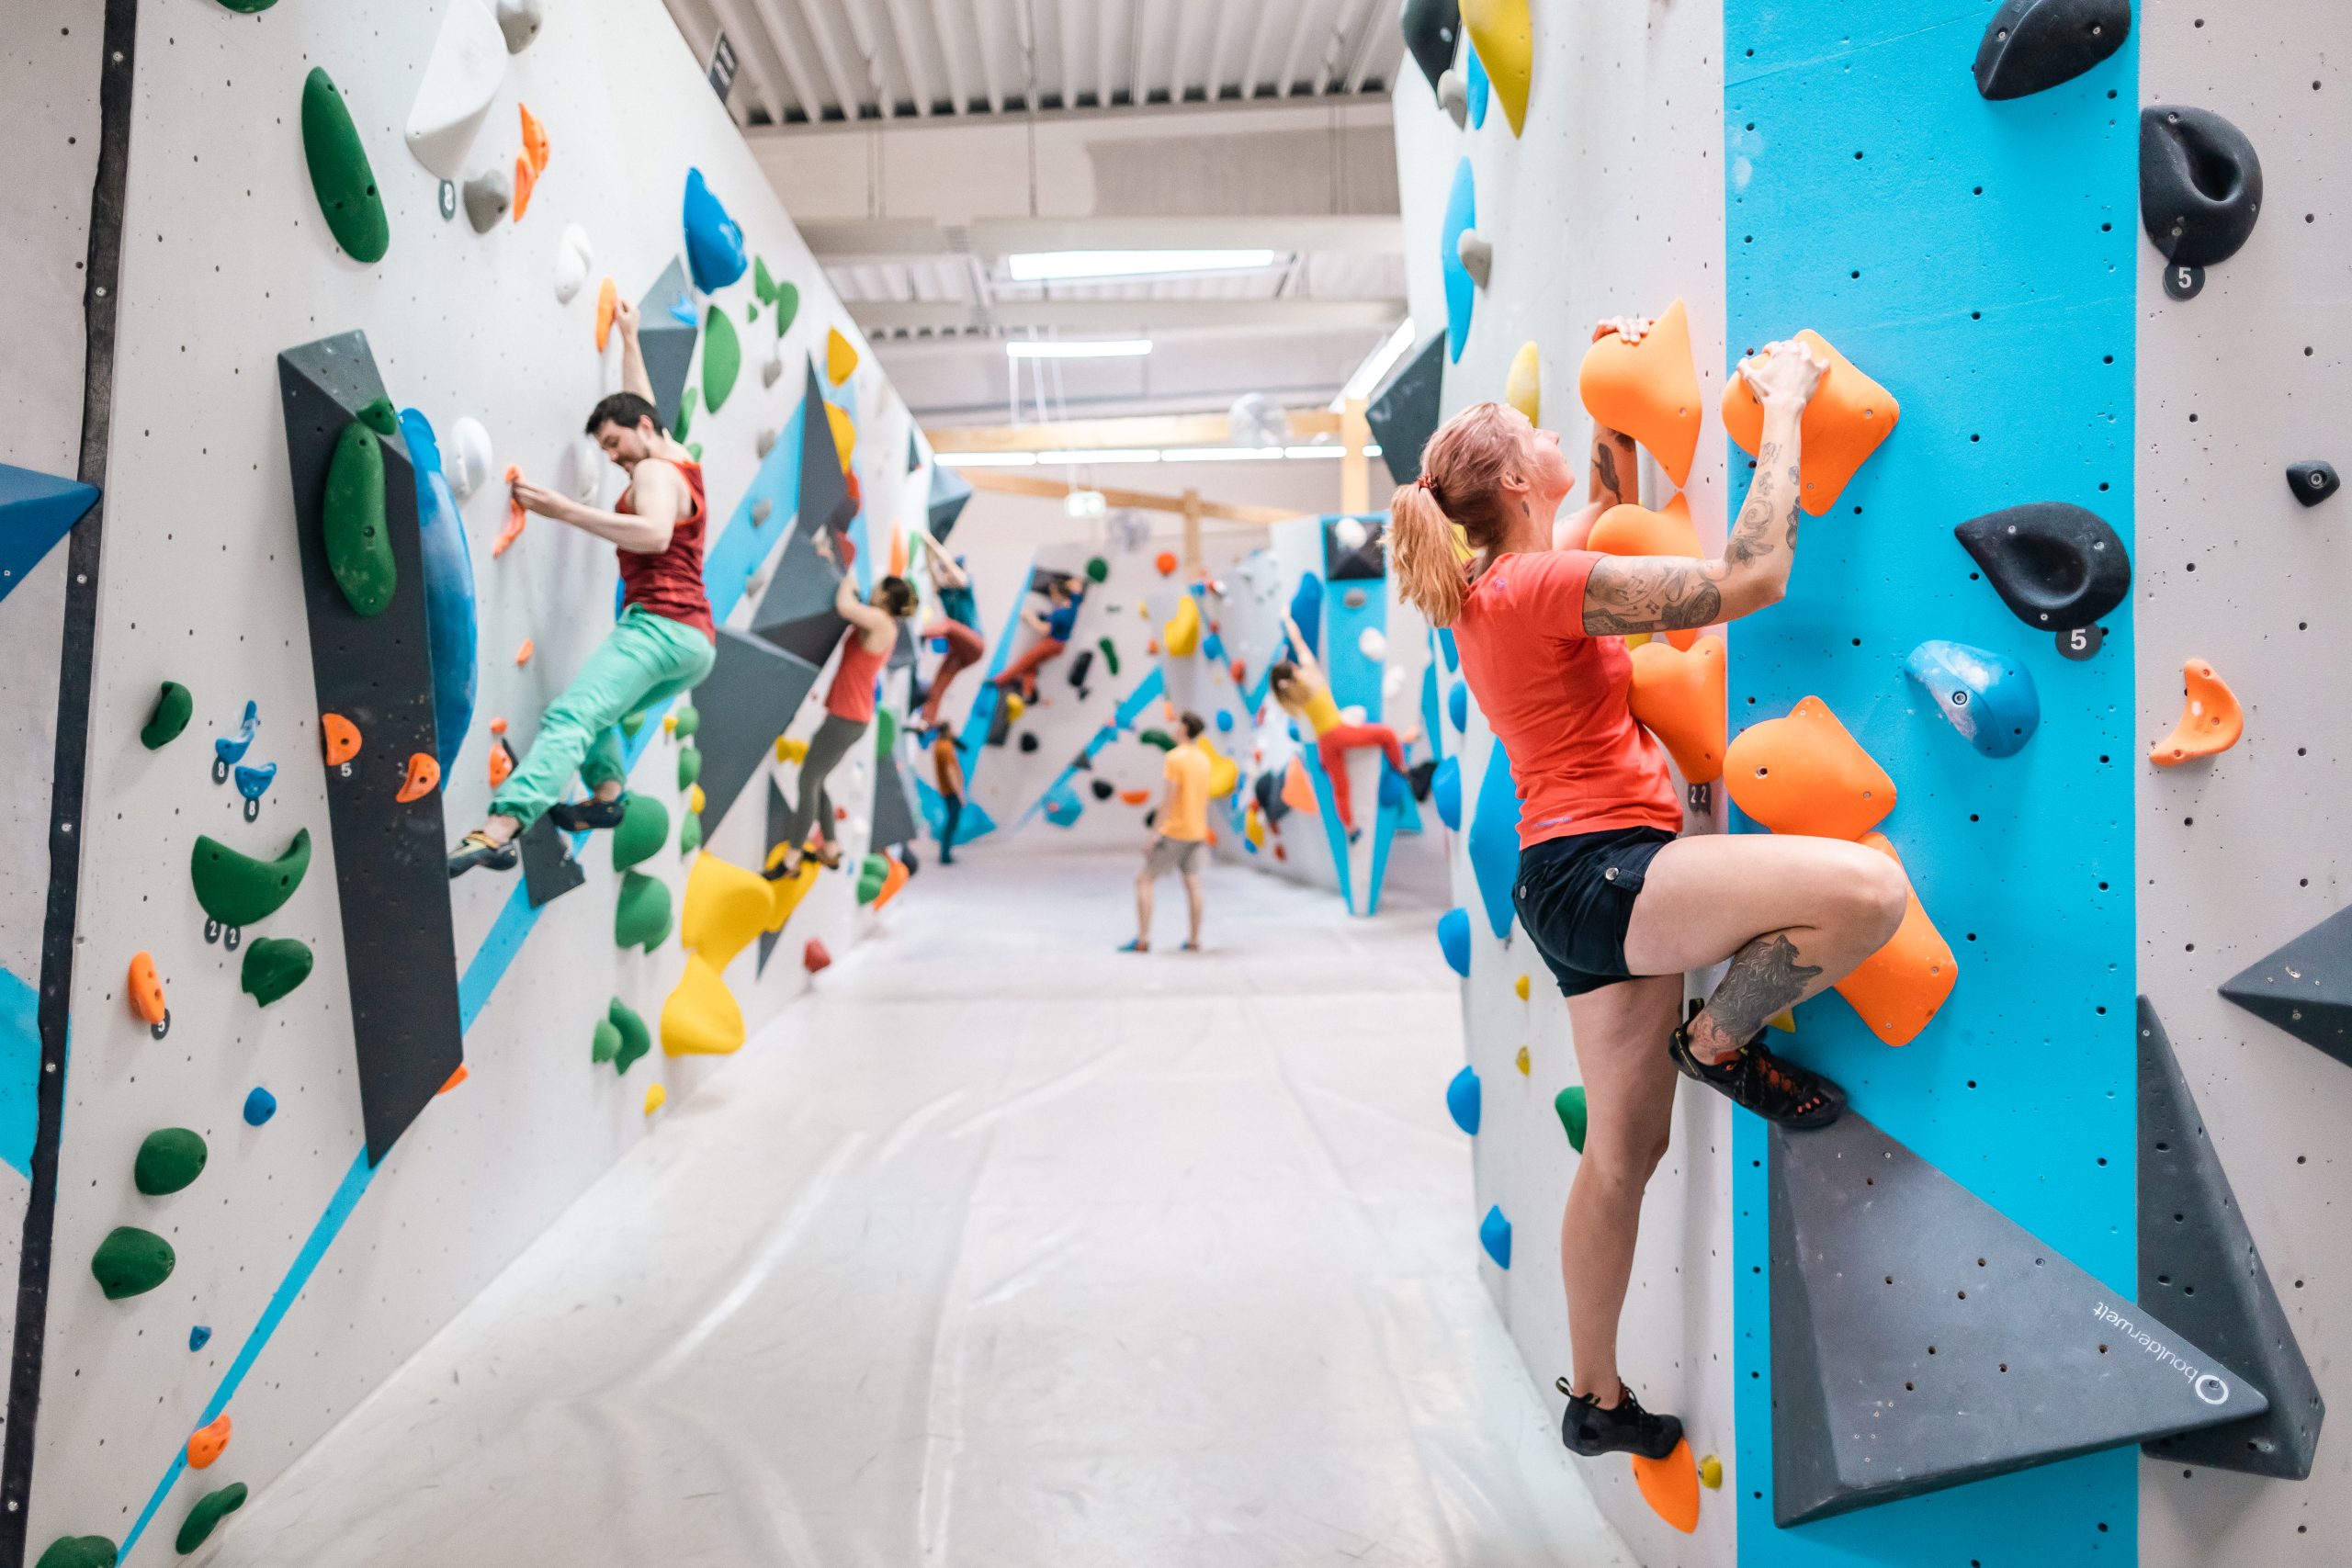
(1629, 1112)
(1793, 914)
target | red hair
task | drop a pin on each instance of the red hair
(1460, 486)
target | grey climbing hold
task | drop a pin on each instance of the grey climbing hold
(772, 368)
(2199, 1266)
(1431, 28)
(1454, 96)
(487, 197)
(2312, 482)
(1477, 256)
(519, 20)
(764, 442)
(2057, 566)
(2030, 46)
(1903, 1364)
(2305, 988)
(2200, 185)
(761, 510)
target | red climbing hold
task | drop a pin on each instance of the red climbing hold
(815, 957)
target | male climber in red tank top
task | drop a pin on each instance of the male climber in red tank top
(662, 646)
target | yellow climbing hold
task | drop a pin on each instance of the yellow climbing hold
(787, 749)
(844, 432)
(695, 800)
(1519, 986)
(668, 724)
(701, 1017)
(1504, 36)
(1225, 773)
(1013, 706)
(725, 908)
(1711, 1473)
(841, 356)
(1523, 388)
(787, 893)
(1181, 631)
(1786, 1021)
(656, 1096)
(1526, 1066)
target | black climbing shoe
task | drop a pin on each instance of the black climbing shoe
(477, 849)
(1775, 1089)
(1623, 1428)
(573, 814)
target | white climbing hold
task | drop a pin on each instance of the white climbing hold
(1477, 255)
(1392, 683)
(765, 440)
(460, 84)
(465, 461)
(575, 258)
(581, 468)
(1350, 533)
(1373, 643)
(1356, 712)
(1454, 94)
(487, 196)
(519, 20)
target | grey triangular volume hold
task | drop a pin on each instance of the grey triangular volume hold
(2305, 988)
(2198, 1267)
(1405, 409)
(1921, 1339)
(747, 700)
(893, 812)
(548, 869)
(824, 487)
(902, 653)
(667, 342)
(949, 492)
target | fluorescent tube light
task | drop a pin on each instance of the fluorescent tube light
(1048, 266)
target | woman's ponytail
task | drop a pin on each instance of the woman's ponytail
(1457, 501)
(1428, 567)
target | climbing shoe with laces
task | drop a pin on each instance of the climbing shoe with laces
(1624, 1428)
(571, 815)
(478, 848)
(1775, 1089)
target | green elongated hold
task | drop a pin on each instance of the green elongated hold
(641, 917)
(689, 766)
(131, 1262)
(379, 417)
(169, 1159)
(636, 1040)
(872, 873)
(359, 545)
(1569, 1103)
(685, 721)
(787, 305)
(1159, 738)
(687, 401)
(84, 1550)
(206, 1517)
(722, 357)
(340, 175)
(605, 1043)
(173, 706)
(885, 731)
(689, 834)
(644, 825)
(1109, 651)
(236, 889)
(274, 966)
(762, 280)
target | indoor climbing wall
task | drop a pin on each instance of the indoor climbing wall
(275, 1180)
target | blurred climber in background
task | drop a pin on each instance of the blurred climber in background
(1181, 831)
(1619, 905)
(1299, 685)
(1053, 629)
(959, 623)
(662, 646)
(865, 646)
(947, 773)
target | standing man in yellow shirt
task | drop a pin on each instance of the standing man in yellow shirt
(1184, 829)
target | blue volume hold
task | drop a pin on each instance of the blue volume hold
(1458, 706)
(1461, 1100)
(1461, 213)
(1445, 790)
(1493, 1235)
(449, 624)
(1306, 611)
(714, 241)
(1987, 696)
(1453, 940)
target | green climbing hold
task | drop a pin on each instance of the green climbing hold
(172, 707)
(685, 721)
(872, 873)
(689, 766)
(1569, 1103)
(92, 1550)
(169, 1159)
(379, 417)
(1109, 655)
(689, 834)
(249, 7)
(1159, 738)
(688, 402)
(359, 545)
(694, 450)
(131, 1262)
(237, 890)
(206, 1517)
(787, 305)
(340, 175)
(605, 1042)
(762, 280)
(722, 357)
(885, 731)
(645, 823)
(274, 966)
(632, 722)
(636, 1040)
(1098, 568)
(642, 918)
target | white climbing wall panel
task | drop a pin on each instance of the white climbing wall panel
(228, 262)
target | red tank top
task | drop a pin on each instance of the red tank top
(670, 584)
(851, 693)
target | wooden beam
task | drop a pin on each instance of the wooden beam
(1192, 533)
(1355, 469)
(1003, 483)
(1153, 431)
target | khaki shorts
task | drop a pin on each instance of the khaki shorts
(1168, 854)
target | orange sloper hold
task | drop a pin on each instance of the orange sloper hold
(1898, 988)
(1848, 418)
(454, 1079)
(1670, 1486)
(893, 882)
(608, 298)
(535, 139)
(1133, 796)
(206, 1444)
(423, 772)
(1679, 697)
(516, 518)
(525, 177)
(1637, 531)
(342, 738)
(502, 763)
(146, 990)
(1805, 774)
(1298, 790)
(1648, 391)
(2211, 719)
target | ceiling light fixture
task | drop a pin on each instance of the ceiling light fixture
(1051, 266)
(1086, 348)
(1103, 455)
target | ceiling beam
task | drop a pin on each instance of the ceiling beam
(1118, 435)
(1119, 315)
(1130, 499)
(876, 238)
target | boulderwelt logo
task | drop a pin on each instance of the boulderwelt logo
(2208, 1386)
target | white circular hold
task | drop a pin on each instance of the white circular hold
(575, 258)
(466, 459)
(583, 469)
(1373, 644)
(1354, 713)
(1350, 533)
(1392, 683)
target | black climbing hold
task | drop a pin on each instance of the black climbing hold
(949, 492)
(273, 967)
(2054, 564)
(2033, 1359)
(1028, 740)
(1432, 29)
(1418, 778)
(173, 706)
(2201, 184)
(2030, 46)
(667, 342)
(894, 822)
(2305, 988)
(1358, 562)
(1405, 409)
(1081, 664)
(2200, 1267)
(796, 614)
(169, 1159)
(1104, 789)
(1000, 721)
(2312, 482)
(548, 869)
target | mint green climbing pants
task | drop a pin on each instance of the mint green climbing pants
(647, 659)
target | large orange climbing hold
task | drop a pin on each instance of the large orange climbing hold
(423, 772)
(535, 139)
(516, 517)
(1898, 988)
(608, 298)
(1678, 696)
(1670, 1486)
(206, 1444)
(1298, 790)
(2211, 719)
(1648, 391)
(892, 882)
(1805, 774)
(1848, 418)
(145, 989)
(342, 739)
(1637, 531)
(525, 177)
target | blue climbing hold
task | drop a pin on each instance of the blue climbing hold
(1306, 611)
(229, 749)
(1392, 788)
(35, 511)
(1224, 721)
(1458, 706)
(714, 241)
(1479, 88)
(1445, 645)
(199, 1338)
(260, 1106)
(450, 626)
(1446, 789)
(682, 309)
(1987, 696)
(1494, 840)
(1493, 1235)
(1461, 1100)
(1062, 805)
(1453, 940)
(252, 783)
(1461, 213)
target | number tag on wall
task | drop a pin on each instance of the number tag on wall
(2082, 642)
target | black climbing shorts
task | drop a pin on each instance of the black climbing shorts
(1575, 896)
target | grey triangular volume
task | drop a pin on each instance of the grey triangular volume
(1405, 409)
(2305, 988)
(914, 453)
(548, 869)
(2199, 1266)
(667, 342)
(779, 818)
(1921, 1339)
(902, 653)
(824, 487)
(949, 492)
(894, 813)
(746, 701)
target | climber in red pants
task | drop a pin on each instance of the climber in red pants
(959, 623)
(1053, 629)
(1298, 684)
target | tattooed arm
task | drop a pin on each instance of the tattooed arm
(1650, 594)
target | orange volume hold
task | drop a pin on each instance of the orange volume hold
(1678, 696)
(525, 177)
(1805, 774)
(206, 1444)
(423, 772)
(145, 989)
(342, 739)
(1848, 418)
(2210, 721)
(1630, 530)
(535, 138)
(1648, 390)
(1670, 1486)
(608, 298)
(516, 517)
(1898, 988)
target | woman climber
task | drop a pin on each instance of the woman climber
(849, 709)
(1053, 629)
(1620, 908)
(959, 623)
(1299, 685)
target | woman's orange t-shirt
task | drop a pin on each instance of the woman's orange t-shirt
(1555, 697)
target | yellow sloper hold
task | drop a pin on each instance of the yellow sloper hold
(841, 356)
(656, 1096)
(1519, 986)
(1013, 706)
(1225, 773)
(787, 749)
(844, 432)
(1181, 632)
(1526, 1066)
(701, 1017)
(1786, 1022)
(1505, 38)
(696, 799)
(724, 909)
(1711, 1473)
(786, 894)
(1523, 388)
